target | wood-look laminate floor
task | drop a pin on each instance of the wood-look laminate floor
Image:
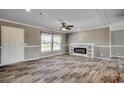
(64, 69)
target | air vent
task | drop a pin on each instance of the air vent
(43, 14)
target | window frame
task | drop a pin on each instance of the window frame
(50, 43)
(60, 42)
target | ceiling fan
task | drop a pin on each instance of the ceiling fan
(66, 27)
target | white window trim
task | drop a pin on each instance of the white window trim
(41, 44)
(51, 50)
(60, 43)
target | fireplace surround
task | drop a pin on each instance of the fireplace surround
(82, 49)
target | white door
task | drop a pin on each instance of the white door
(12, 41)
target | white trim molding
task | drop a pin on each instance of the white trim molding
(117, 56)
(103, 58)
(117, 46)
(81, 44)
(9, 21)
(101, 46)
(117, 27)
(43, 57)
(32, 46)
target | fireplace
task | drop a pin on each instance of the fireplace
(80, 50)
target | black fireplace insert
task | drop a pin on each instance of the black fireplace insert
(80, 50)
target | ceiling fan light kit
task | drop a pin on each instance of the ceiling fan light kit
(66, 27)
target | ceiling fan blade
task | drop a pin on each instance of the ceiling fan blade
(64, 24)
(70, 26)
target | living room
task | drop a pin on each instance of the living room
(52, 39)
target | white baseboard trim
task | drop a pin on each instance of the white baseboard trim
(103, 58)
(43, 57)
(117, 56)
(94, 57)
(34, 59)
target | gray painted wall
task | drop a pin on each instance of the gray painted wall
(99, 37)
(36, 52)
(32, 37)
(118, 39)
(118, 51)
(102, 52)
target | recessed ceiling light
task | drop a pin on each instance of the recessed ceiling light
(28, 10)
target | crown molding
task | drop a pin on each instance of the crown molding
(14, 22)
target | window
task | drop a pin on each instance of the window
(56, 42)
(46, 42)
(50, 42)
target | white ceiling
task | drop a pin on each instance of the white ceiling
(82, 19)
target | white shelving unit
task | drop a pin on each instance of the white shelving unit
(89, 49)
